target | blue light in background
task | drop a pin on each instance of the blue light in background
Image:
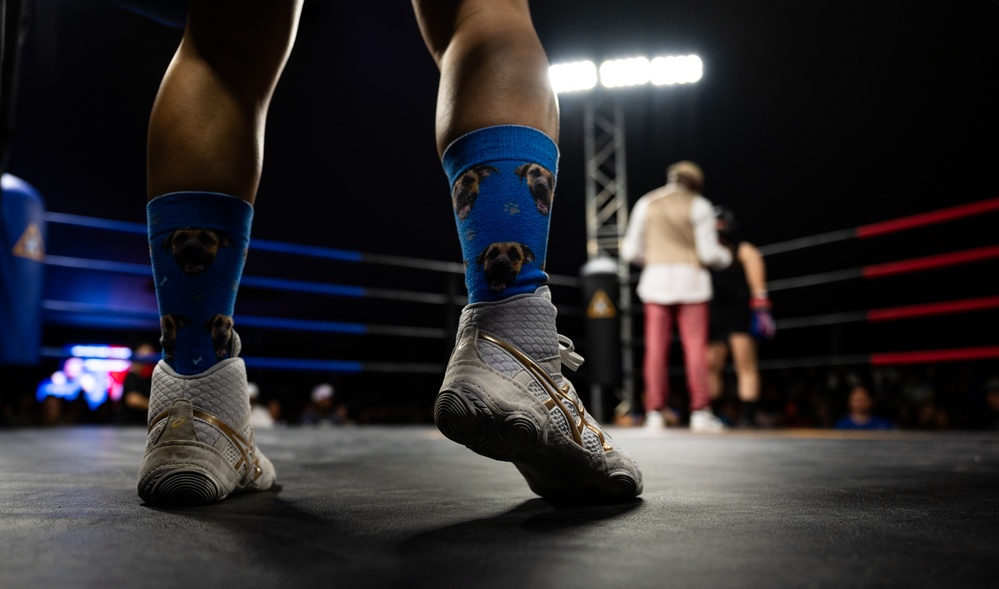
(95, 371)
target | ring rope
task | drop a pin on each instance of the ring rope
(889, 268)
(884, 227)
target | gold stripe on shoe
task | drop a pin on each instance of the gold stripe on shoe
(243, 446)
(559, 396)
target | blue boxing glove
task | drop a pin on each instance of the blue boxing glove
(763, 326)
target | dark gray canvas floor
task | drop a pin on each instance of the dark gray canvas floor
(404, 507)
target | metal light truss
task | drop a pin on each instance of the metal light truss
(607, 215)
(606, 180)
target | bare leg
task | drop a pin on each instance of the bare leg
(717, 354)
(494, 70)
(744, 358)
(504, 394)
(206, 131)
(206, 136)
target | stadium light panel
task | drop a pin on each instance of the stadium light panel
(683, 69)
(633, 71)
(617, 73)
(573, 77)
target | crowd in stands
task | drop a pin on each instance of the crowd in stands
(917, 397)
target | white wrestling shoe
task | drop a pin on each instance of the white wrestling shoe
(504, 397)
(200, 446)
(705, 421)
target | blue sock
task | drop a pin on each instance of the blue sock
(502, 184)
(197, 245)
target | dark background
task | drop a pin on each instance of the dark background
(811, 117)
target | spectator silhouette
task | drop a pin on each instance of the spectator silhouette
(860, 412)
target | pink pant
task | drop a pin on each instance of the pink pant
(692, 323)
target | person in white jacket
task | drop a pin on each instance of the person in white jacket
(671, 234)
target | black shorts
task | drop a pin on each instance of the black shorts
(728, 319)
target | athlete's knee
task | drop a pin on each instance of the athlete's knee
(248, 40)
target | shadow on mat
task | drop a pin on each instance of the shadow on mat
(306, 544)
(530, 522)
(330, 539)
(265, 522)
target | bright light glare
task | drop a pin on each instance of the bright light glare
(99, 365)
(100, 351)
(624, 72)
(683, 69)
(634, 71)
(571, 77)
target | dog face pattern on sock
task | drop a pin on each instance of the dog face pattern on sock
(505, 200)
(500, 263)
(169, 325)
(220, 328)
(466, 190)
(541, 183)
(502, 182)
(197, 269)
(194, 251)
